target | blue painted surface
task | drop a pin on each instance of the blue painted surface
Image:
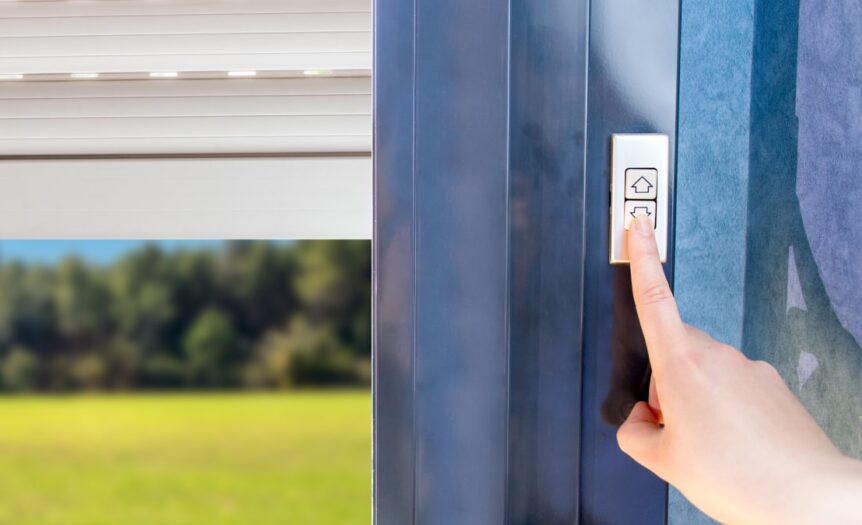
(547, 133)
(393, 249)
(632, 89)
(829, 108)
(712, 177)
(771, 105)
(803, 188)
(441, 261)
(461, 184)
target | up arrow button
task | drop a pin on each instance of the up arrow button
(642, 186)
(641, 183)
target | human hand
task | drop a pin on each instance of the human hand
(723, 429)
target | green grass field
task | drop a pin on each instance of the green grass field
(186, 459)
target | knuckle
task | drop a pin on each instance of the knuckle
(693, 359)
(766, 369)
(730, 351)
(728, 356)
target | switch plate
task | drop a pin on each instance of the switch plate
(650, 151)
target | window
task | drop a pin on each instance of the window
(155, 130)
(266, 102)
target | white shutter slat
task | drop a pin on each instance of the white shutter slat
(258, 87)
(186, 198)
(227, 106)
(180, 127)
(18, 9)
(59, 26)
(67, 146)
(360, 62)
(75, 47)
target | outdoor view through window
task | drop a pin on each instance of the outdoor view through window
(185, 263)
(184, 381)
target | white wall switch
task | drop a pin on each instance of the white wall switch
(639, 186)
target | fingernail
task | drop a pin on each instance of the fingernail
(643, 226)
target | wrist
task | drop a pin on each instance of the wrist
(842, 493)
(828, 491)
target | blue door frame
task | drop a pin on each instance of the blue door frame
(506, 347)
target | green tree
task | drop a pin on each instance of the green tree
(333, 282)
(208, 345)
(89, 371)
(255, 281)
(19, 369)
(168, 318)
(142, 295)
(304, 354)
(81, 301)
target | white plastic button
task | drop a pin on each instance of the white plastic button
(639, 209)
(641, 183)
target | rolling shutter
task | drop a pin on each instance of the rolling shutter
(118, 36)
(132, 117)
(191, 76)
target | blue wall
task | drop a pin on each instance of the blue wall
(770, 152)
(712, 176)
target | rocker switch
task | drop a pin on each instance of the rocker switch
(639, 188)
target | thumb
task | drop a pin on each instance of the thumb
(639, 435)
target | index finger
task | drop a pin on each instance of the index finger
(662, 326)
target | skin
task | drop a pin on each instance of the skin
(726, 430)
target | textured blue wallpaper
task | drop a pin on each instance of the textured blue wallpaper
(803, 279)
(770, 157)
(715, 76)
(712, 176)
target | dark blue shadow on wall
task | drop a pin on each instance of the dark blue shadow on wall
(790, 319)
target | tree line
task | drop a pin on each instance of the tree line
(249, 314)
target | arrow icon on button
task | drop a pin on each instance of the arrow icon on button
(640, 210)
(642, 185)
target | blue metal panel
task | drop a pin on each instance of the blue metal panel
(393, 271)
(442, 260)
(632, 89)
(461, 225)
(549, 44)
(491, 198)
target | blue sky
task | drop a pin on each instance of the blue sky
(96, 251)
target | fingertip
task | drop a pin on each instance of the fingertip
(641, 240)
(643, 226)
